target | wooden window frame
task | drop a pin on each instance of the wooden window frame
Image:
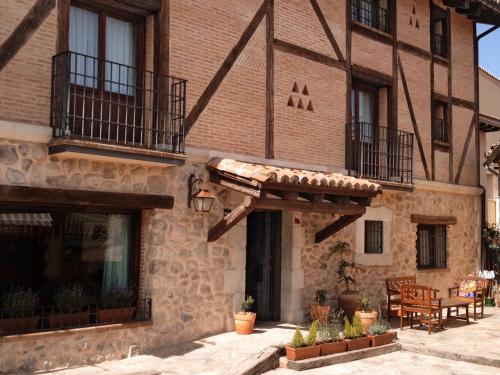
(438, 14)
(433, 246)
(443, 146)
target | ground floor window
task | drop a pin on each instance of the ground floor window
(431, 246)
(374, 237)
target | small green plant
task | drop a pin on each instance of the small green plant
(246, 305)
(328, 332)
(347, 270)
(365, 304)
(312, 336)
(19, 302)
(320, 297)
(298, 339)
(354, 330)
(116, 298)
(379, 327)
(69, 299)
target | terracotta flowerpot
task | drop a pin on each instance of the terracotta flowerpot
(349, 302)
(383, 339)
(320, 313)
(359, 343)
(328, 348)
(367, 319)
(68, 320)
(120, 315)
(12, 326)
(297, 354)
(244, 322)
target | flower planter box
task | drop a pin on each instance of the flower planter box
(333, 347)
(383, 339)
(68, 320)
(320, 312)
(297, 354)
(359, 343)
(244, 322)
(120, 315)
(12, 326)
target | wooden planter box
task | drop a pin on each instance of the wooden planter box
(120, 315)
(296, 354)
(333, 347)
(12, 326)
(359, 343)
(68, 320)
(383, 339)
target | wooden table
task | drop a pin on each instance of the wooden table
(449, 304)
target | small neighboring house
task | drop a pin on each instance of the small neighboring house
(306, 122)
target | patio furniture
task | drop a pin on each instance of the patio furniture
(470, 289)
(393, 288)
(449, 304)
(421, 299)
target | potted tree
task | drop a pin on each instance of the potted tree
(329, 335)
(117, 305)
(300, 348)
(367, 315)
(378, 334)
(18, 311)
(245, 319)
(349, 299)
(319, 310)
(69, 310)
(354, 334)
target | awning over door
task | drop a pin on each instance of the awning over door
(277, 188)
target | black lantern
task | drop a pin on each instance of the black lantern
(203, 199)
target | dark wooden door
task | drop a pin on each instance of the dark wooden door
(263, 268)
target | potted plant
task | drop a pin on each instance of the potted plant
(18, 311)
(367, 315)
(117, 305)
(69, 310)
(245, 319)
(349, 299)
(319, 310)
(329, 335)
(354, 334)
(378, 334)
(300, 348)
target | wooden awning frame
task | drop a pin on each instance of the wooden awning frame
(349, 204)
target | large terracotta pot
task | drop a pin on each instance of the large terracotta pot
(349, 302)
(367, 319)
(68, 320)
(297, 354)
(328, 348)
(383, 339)
(120, 315)
(244, 322)
(12, 326)
(320, 313)
(359, 343)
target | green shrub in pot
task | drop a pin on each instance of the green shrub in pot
(19, 302)
(70, 299)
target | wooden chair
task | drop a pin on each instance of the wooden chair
(393, 288)
(420, 299)
(471, 289)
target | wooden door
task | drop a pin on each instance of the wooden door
(263, 268)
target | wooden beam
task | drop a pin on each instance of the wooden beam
(231, 219)
(162, 41)
(413, 118)
(305, 53)
(463, 103)
(224, 69)
(24, 30)
(270, 79)
(414, 50)
(449, 101)
(318, 189)
(312, 207)
(312, 197)
(236, 184)
(371, 76)
(433, 220)
(149, 5)
(62, 42)
(348, 78)
(464, 151)
(372, 33)
(334, 227)
(20, 195)
(327, 30)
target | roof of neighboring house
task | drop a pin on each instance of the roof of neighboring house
(485, 11)
(486, 71)
(493, 154)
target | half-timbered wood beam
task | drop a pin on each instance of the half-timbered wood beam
(334, 227)
(433, 220)
(24, 30)
(312, 207)
(270, 79)
(231, 219)
(413, 119)
(224, 69)
(465, 150)
(328, 31)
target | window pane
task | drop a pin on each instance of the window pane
(120, 56)
(373, 237)
(423, 243)
(83, 41)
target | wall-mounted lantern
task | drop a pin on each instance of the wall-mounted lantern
(203, 199)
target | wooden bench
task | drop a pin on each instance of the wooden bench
(473, 285)
(421, 300)
(393, 288)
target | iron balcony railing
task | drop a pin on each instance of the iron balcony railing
(439, 130)
(48, 318)
(104, 101)
(379, 153)
(439, 45)
(369, 12)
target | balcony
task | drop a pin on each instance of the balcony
(369, 13)
(379, 153)
(439, 46)
(116, 108)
